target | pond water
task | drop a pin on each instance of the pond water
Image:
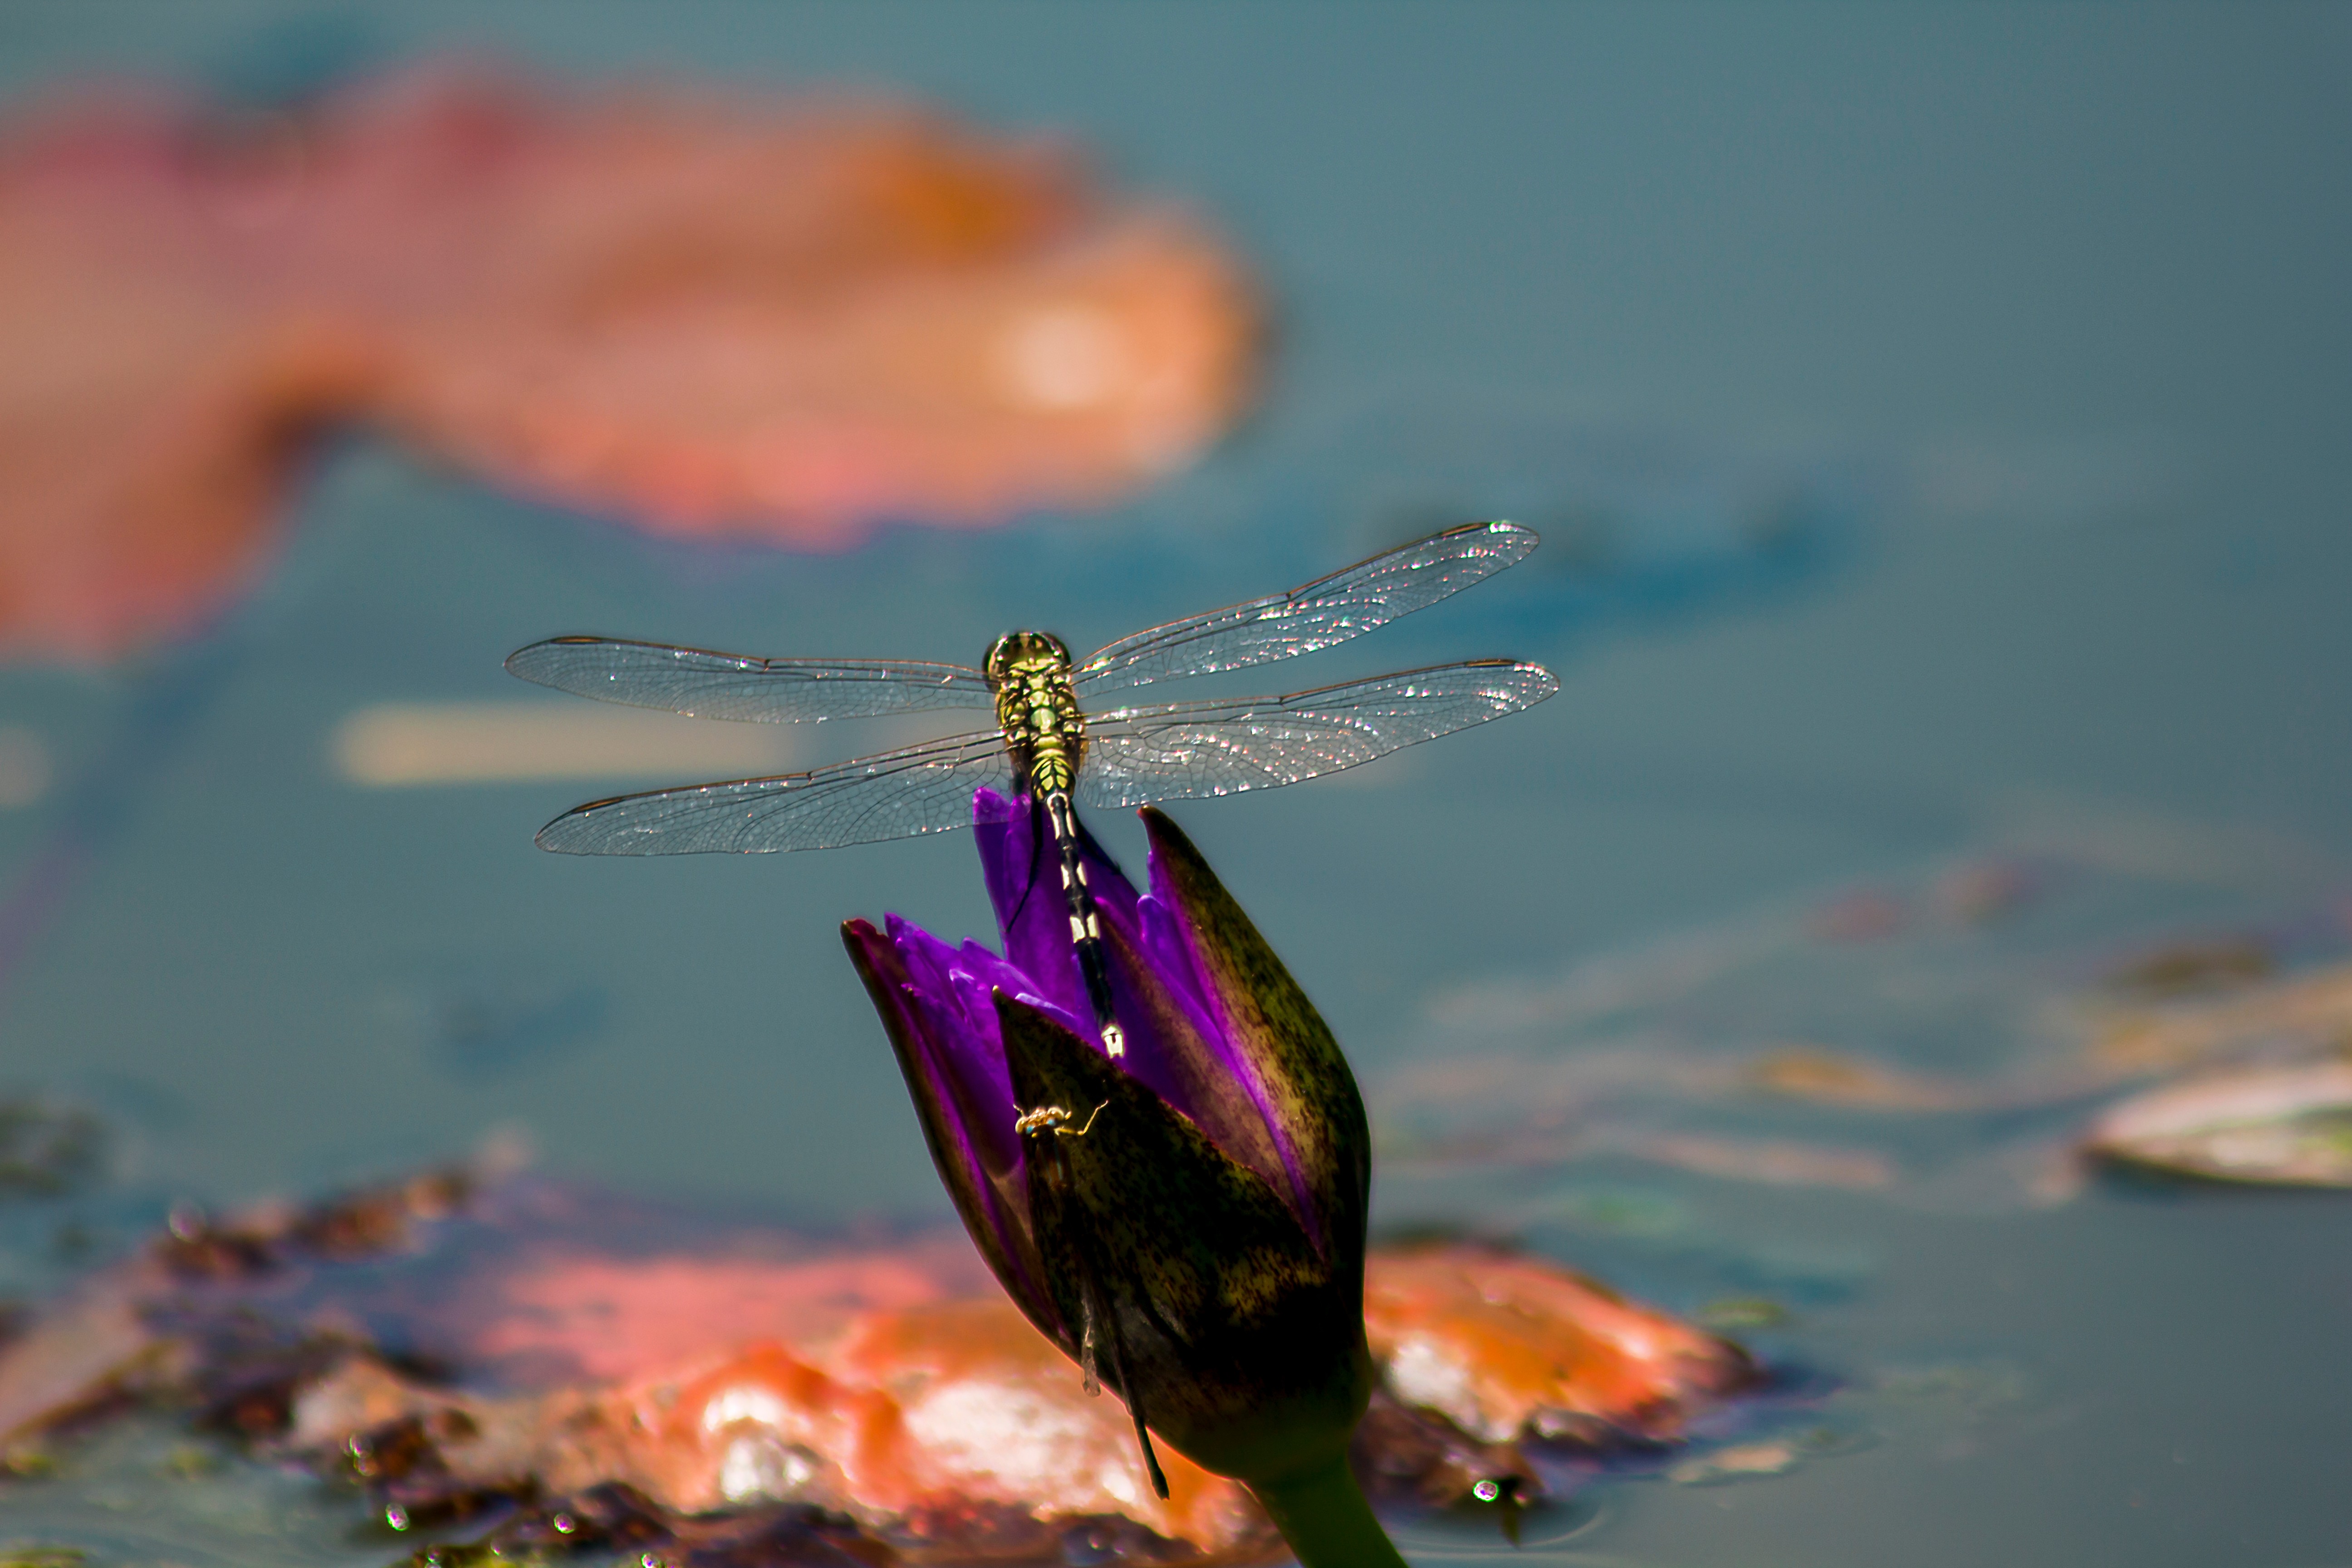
(1938, 419)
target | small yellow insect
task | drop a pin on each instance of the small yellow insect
(1054, 1120)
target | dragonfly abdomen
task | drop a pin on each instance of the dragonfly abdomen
(1086, 921)
(1047, 734)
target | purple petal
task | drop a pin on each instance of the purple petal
(1024, 883)
(1165, 1026)
(928, 962)
(955, 1088)
(1175, 1048)
(1113, 892)
(1024, 875)
(1163, 938)
(960, 1045)
(978, 972)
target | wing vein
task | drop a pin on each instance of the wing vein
(926, 788)
(707, 685)
(1181, 749)
(1322, 613)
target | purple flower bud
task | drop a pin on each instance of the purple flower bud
(1186, 1221)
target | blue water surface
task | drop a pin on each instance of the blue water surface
(1937, 417)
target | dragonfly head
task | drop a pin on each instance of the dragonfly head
(1018, 653)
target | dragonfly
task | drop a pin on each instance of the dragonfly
(1052, 741)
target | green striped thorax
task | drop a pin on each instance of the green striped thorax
(1035, 705)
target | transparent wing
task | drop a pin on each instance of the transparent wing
(1327, 611)
(736, 686)
(1136, 755)
(892, 794)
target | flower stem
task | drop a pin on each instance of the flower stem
(1322, 1513)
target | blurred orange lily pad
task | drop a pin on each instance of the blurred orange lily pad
(596, 1373)
(700, 311)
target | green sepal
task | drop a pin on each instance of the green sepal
(1240, 1341)
(1300, 1073)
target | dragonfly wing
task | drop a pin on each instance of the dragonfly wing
(893, 794)
(1137, 755)
(1327, 611)
(736, 686)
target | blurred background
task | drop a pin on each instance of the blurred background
(1935, 415)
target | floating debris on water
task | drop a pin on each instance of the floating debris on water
(2306, 1015)
(1771, 1162)
(1746, 1461)
(1950, 1061)
(2288, 1126)
(1837, 1077)
(27, 1555)
(2188, 968)
(1732, 1314)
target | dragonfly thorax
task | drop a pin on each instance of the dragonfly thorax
(1038, 710)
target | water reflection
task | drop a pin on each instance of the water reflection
(484, 1016)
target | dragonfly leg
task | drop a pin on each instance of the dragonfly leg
(1086, 924)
